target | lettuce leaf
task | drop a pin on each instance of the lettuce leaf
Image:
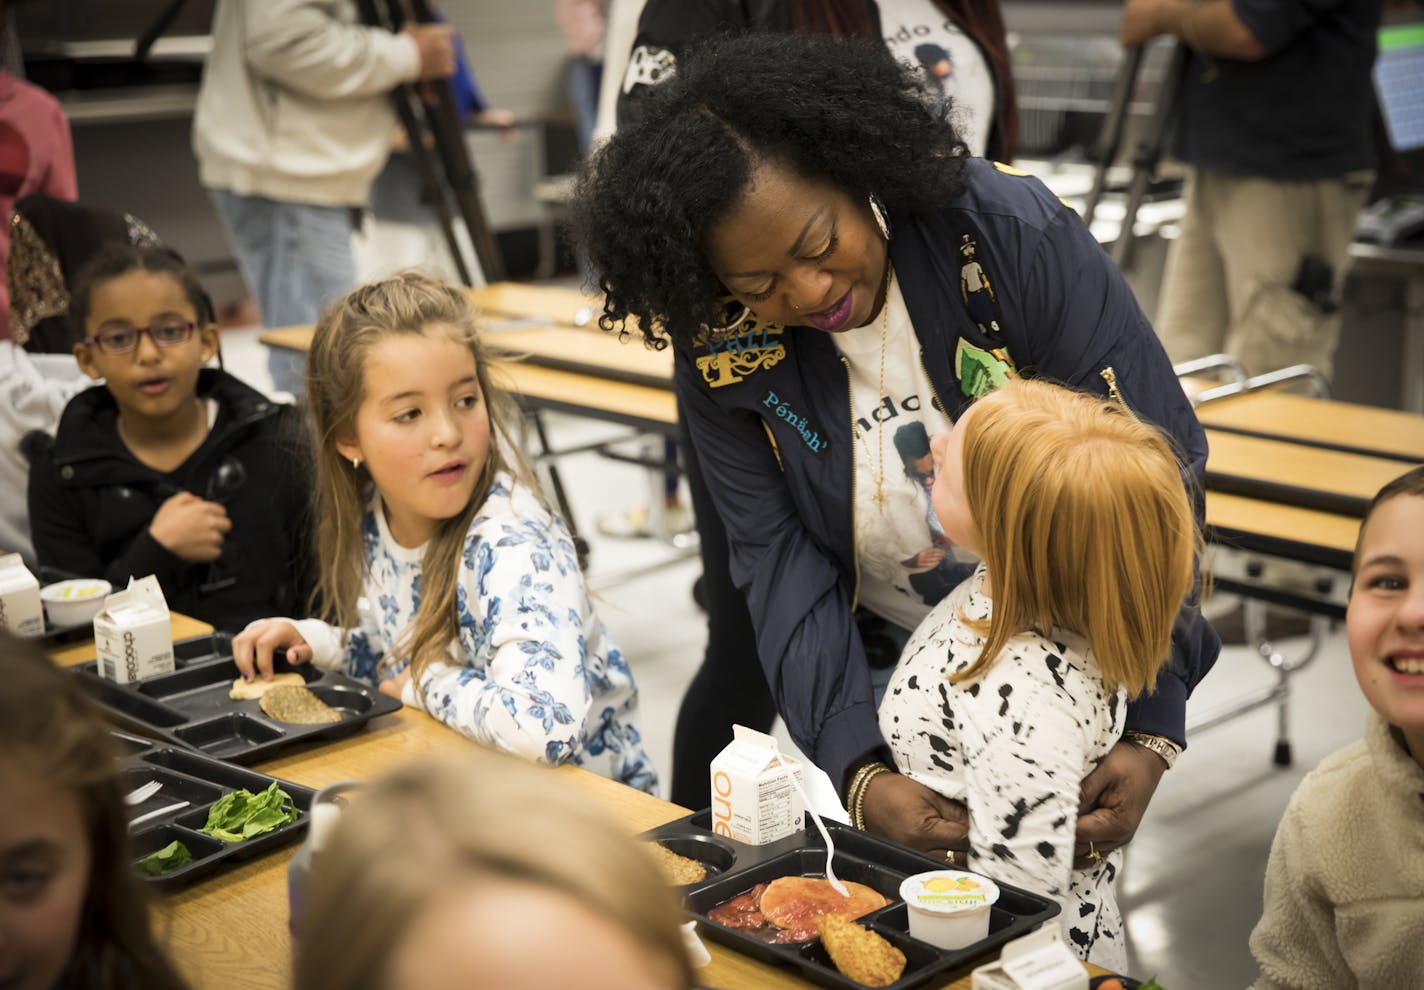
(166, 860)
(240, 815)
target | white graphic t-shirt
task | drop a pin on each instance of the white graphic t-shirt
(904, 555)
(918, 32)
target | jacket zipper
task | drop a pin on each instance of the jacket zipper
(775, 447)
(1110, 376)
(854, 546)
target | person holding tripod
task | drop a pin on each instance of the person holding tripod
(292, 125)
(1274, 121)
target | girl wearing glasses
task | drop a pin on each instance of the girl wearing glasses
(169, 467)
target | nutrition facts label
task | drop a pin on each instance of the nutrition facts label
(778, 809)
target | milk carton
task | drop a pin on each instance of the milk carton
(132, 633)
(20, 610)
(754, 798)
(1040, 960)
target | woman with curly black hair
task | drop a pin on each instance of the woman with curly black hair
(803, 225)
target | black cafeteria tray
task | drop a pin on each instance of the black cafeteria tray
(60, 635)
(733, 868)
(198, 780)
(190, 707)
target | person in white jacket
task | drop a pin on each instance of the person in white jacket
(292, 125)
(34, 389)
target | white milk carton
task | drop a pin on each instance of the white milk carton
(1040, 960)
(754, 799)
(20, 609)
(132, 633)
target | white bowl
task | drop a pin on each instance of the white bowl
(949, 908)
(74, 602)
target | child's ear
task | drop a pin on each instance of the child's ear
(84, 355)
(208, 334)
(348, 448)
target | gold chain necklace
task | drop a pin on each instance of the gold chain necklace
(878, 468)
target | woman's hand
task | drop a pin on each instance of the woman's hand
(910, 813)
(395, 686)
(1113, 799)
(1143, 20)
(252, 648)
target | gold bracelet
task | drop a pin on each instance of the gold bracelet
(857, 810)
(857, 779)
(1161, 745)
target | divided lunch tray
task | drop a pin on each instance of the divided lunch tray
(195, 781)
(190, 707)
(734, 868)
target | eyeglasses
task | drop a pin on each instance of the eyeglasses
(167, 332)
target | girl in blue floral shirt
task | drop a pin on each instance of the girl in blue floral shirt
(475, 608)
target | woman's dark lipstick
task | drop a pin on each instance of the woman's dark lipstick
(833, 318)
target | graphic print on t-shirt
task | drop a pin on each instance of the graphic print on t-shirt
(906, 563)
(913, 555)
(919, 34)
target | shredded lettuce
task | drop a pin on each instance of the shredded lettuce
(240, 815)
(166, 860)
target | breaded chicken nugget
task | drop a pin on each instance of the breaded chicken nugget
(859, 953)
(678, 870)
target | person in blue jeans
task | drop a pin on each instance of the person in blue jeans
(293, 123)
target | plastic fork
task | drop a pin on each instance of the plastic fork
(143, 792)
(156, 812)
(831, 878)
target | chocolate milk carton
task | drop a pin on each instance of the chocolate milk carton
(754, 798)
(21, 612)
(132, 633)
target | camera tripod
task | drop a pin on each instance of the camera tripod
(1148, 152)
(437, 147)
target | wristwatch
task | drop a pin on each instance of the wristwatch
(1163, 747)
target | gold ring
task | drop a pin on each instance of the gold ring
(1093, 853)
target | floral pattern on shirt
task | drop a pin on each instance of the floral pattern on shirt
(1013, 744)
(533, 671)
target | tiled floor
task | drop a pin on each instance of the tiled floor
(1191, 889)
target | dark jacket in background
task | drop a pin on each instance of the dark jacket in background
(91, 502)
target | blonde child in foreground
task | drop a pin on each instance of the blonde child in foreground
(1345, 881)
(484, 872)
(73, 913)
(476, 607)
(1015, 686)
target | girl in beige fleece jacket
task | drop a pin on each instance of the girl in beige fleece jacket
(1345, 881)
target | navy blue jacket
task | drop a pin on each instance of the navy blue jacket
(1060, 310)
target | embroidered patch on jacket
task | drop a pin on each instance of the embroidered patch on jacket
(1010, 170)
(976, 288)
(981, 372)
(732, 357)
(783, 411)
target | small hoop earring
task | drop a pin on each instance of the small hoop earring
(355, 463)
(877, 210)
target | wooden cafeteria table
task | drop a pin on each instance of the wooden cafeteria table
(1281, 471)
(230, 931)
(545, 303)
(1325, 539)
(1327, 423)
(576, 371)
